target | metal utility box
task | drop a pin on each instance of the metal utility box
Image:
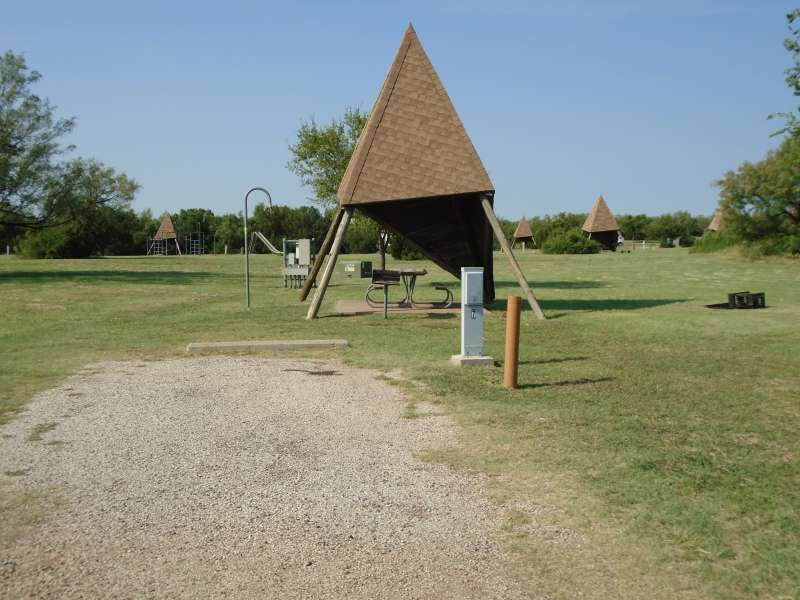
(303, 252)
(363, 268)
(472, 311)
(297, 259)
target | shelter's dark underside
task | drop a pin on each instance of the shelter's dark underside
(452, 231)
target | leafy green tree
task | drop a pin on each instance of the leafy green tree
(146, 227)
(633, 227)
(792, 45)
(675, 225)
(321, 153)
(555, 225)
(93, 217)
(278, 222)
(361, 236)
(37, 187)
(762, 200)
(229, 232)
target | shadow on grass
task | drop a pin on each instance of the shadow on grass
(144, 277)
(556, 285)
(550, 361)
(568, 382)
(583, 305)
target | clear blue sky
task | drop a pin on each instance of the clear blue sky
(646, 102)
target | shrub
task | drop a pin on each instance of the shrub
(713, 241)
(570, 242)
(47, 243)
(399, 249)
(786, 245)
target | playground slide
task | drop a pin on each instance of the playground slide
(267, 243)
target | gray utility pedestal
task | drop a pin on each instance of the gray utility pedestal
(472, 320)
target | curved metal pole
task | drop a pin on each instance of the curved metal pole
(246, 247)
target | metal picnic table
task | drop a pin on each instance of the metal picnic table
(382, 278)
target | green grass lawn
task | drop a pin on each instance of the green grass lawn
(665, 431)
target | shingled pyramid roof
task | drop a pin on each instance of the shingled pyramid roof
(717, 222)
(166, 230)
(413, 144)
(523, 230)
(600, 219)
(415, 171)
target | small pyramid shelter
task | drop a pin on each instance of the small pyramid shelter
(523, 233)
(159, 244)
(717, 223)
(415, 171)
(523, 230)
(166, 231)
(601, 225)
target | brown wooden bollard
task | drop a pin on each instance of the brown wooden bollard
(512, 343)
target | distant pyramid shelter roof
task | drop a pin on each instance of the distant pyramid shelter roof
(166, 230)
(600, 219)
(523, 230)
(717, 222)
(415, 171)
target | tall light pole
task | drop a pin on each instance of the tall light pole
(246, 247)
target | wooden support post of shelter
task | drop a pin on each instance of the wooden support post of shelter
(515, 268)
(415, 172)
(321, 253)
(319, 294)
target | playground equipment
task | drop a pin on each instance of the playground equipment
(197, 241)
(415, 172)
(257, 235)
(159, 245)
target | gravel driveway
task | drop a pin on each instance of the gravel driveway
(242, 477)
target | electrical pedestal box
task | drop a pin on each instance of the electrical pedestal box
(472, 320)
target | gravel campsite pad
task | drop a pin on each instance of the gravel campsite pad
(245, 477)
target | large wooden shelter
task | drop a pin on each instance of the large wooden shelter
(416, 173)
(601, 225)
(523, 234)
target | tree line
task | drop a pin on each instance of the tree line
(59, 207)
(119, 231)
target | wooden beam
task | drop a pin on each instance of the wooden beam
(319, 294)
(323, 250)
(523, 283)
